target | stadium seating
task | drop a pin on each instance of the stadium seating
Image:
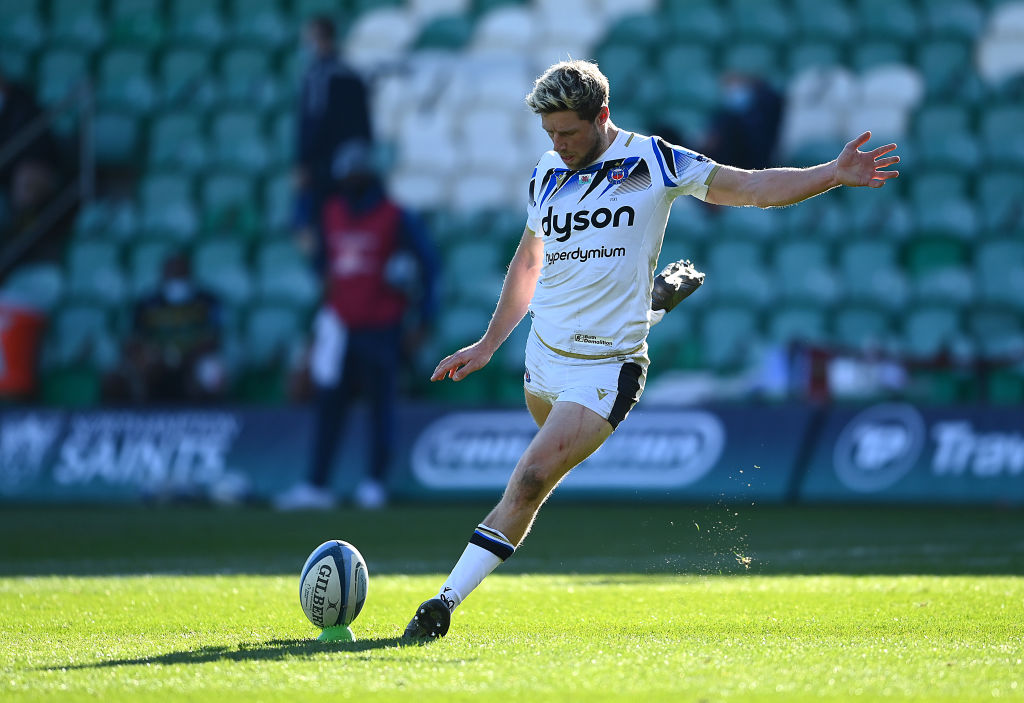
(198, 97)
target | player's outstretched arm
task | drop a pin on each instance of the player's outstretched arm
(516, 293)
(776, 187)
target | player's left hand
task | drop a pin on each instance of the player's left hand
(864, 168)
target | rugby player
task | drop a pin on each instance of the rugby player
(584, 271)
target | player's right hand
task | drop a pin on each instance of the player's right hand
(462, 363)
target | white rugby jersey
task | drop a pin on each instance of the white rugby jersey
(603, 227)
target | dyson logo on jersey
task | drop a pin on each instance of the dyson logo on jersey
(576, 221)
(582, 255)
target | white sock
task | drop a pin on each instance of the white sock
(655, 316)
(486, 549)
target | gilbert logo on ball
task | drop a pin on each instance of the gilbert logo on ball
(332, 586)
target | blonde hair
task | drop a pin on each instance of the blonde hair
(570, 85)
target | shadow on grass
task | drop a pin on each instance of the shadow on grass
(271, 650)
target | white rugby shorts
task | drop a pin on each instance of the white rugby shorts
(609, 386)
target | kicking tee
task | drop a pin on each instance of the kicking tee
(603, 227)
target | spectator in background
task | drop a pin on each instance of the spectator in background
(333, 110)
(30, 174)
(173, 354)
(380, 262)
(744, 130)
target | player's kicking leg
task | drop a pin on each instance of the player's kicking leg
(569, 433)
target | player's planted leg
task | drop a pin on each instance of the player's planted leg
(569, 435)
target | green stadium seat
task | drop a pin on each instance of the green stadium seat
(227, 202)
(21, 25)
(803, 323)
(302, 10)
(145, 265)
(448, 32)
(879, 212)
(997, 331)
(76, 23)
(951, 285)
(944, 139)
(728, 333)
(58, 72)
(958, 19)
(945, 65)
(279, 199)
(760, 21)
(94, 273)
(955, 217)
(282, 137)
(1000, 271)
(698, 90)
(176, 141)
(638, 29)
(245, 77)
(861, 327)
(754, 58)
(72, 387)
(80, 334)
(1000, 197)
(930, 330)
(15, 62)
(893, 19)
(1003, 138)
(858, 257)
(826, 21)
(819, 217)
(273, 335)
(931, 188)
(167, 206)
(750, 222)
(812, 54)
(197, 22)
(238, 141)
(125, 81)
(138, 22)
(260, 23)
(704, 21)
(38, 285)
(480, 271)
(624, 64)
(283, 274)
(876, 53)
(184, 76)
(115, 137)
(1005, 387)
(220, 264)
(679, 58)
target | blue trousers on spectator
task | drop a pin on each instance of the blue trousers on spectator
(370, 368)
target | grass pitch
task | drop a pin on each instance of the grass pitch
(673, 603)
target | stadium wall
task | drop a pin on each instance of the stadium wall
(889, 452)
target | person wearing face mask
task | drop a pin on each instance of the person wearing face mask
(173, 353)
(333, 110)
(744, 130)
(380, 299)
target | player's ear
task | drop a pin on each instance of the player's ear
(602, 116)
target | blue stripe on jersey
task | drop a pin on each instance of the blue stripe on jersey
(552, 182)
(669, 183)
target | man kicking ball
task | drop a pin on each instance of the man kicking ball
(584, 271)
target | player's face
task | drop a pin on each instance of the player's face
(577, 141)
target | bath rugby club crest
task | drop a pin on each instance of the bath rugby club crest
(617, 175)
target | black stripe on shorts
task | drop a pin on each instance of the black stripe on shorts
(629, 388)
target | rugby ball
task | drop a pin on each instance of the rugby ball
(332, 587)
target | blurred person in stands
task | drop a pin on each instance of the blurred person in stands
(333, 110)
(597, 206)
(30, 174)
(381, 299)
(174, 352)
(744, 129)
